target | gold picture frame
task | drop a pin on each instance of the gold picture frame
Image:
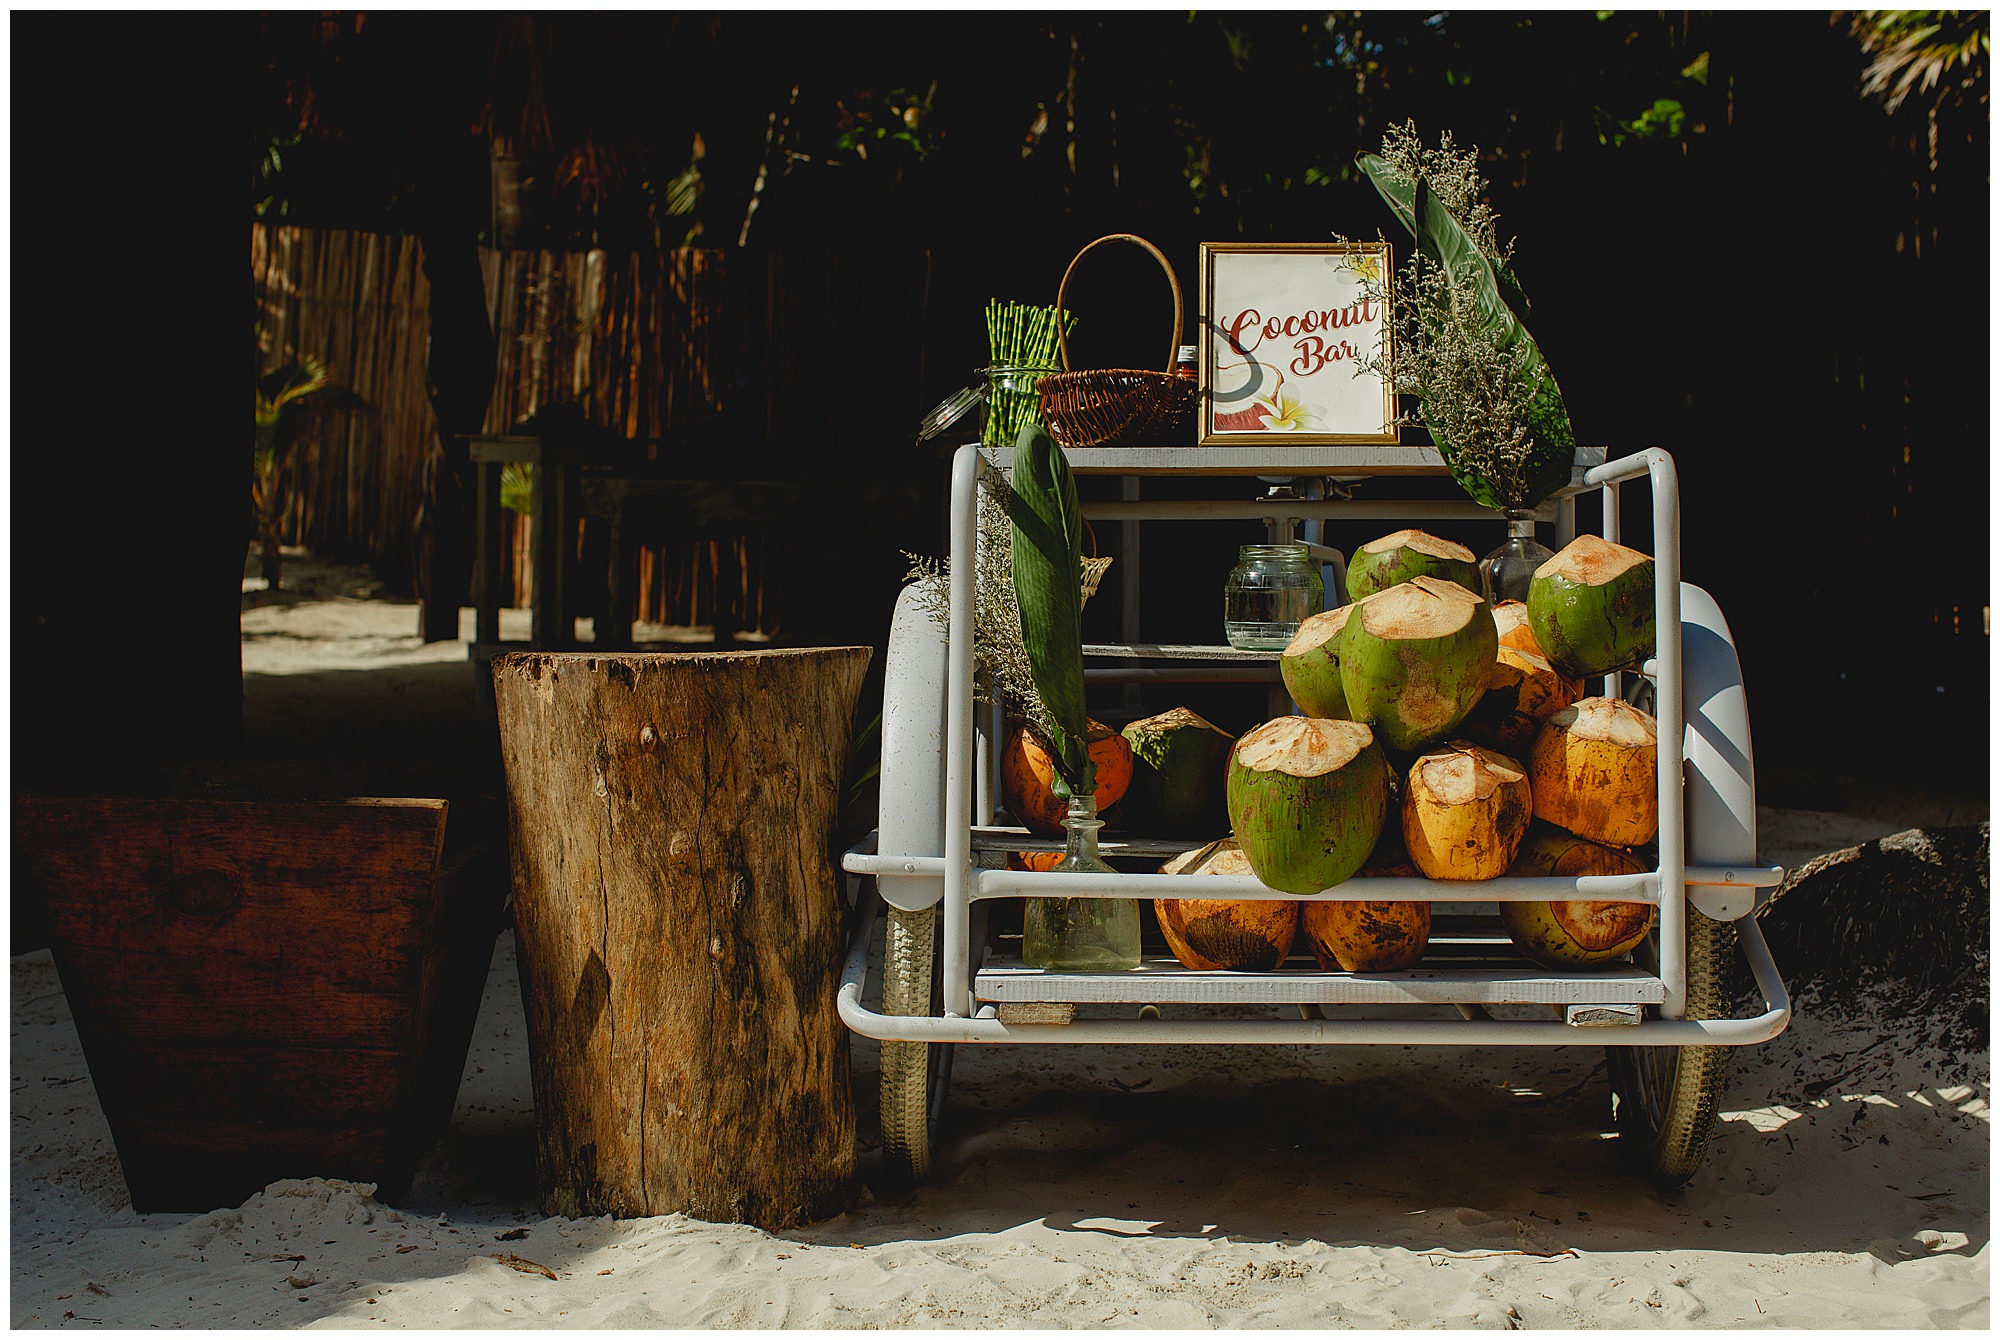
(1304, 302)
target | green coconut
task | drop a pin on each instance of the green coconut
(1394, 559)
(1310, 665)
(1307, 798)
(1178, 762)
(1591, 607)
(1414, 660)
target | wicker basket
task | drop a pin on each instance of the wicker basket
(1121, 405)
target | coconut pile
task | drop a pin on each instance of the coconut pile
(1438, 736)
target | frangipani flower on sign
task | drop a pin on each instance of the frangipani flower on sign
(1288, 414)
(1365, 266)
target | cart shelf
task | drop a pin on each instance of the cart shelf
(1175, 651)
(1161, 980)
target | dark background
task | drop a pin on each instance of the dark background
(1732, 251)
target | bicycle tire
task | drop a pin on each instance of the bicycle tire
(1665, 1099)
(915, 1075)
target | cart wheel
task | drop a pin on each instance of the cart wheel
(1665, 1098)
(915, 1075)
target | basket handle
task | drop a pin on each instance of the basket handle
(1062, 334)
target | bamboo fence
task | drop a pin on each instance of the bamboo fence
(643, 343)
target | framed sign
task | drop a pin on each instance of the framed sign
(1285, 330)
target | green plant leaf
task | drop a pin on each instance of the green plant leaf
(1441, 241)
(1048, 549)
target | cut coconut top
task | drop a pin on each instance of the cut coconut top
(1610, 720)
(1590, 560)
(1177, 718)
(1510, 621)
(1303, 746)
(1317, 631)
(1511, 665)
(1463, 773)
(1224, 859)
(1422, 607)
(1420, 540)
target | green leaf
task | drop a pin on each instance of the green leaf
(1441, 241)
(1048, 550)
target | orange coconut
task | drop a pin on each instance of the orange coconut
(1028, 774)
(1240, 935)
(1367, 937)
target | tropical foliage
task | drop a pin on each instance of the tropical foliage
(1919, 50)
(285, 400)
(1048, 551)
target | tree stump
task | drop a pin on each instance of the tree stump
(679, 923)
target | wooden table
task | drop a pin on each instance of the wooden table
(574, 479)
(553, 501)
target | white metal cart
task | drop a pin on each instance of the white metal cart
(937, 858)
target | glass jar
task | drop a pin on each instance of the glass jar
(1012, 402)
(1081, 934)
(1271, 591)
(1506, 573)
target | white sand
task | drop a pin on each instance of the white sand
(1148, 1187)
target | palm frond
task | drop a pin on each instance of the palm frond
(1914, 50)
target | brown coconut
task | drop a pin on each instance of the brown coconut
(1465, 811)
(1594, 768)
(1522, 691)
(1510, 621)
(1233, 935)
(1367, 936)
(1576, 932)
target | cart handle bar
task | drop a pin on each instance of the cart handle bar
(1635, 888)
(1396, 1032)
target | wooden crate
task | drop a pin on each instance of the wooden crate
(263, 988)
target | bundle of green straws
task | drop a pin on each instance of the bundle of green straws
(1026, 344)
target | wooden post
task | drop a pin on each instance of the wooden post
(679, 921)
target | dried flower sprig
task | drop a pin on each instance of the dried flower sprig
(1482, 385)
(1473, 393)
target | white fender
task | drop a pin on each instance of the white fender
(1721, 775)
(913, 727)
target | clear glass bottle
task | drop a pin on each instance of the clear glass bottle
(1271, 591)
(1081, 934)
(1505, 573)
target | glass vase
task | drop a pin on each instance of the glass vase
(1081, 934)
(1505, 573)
